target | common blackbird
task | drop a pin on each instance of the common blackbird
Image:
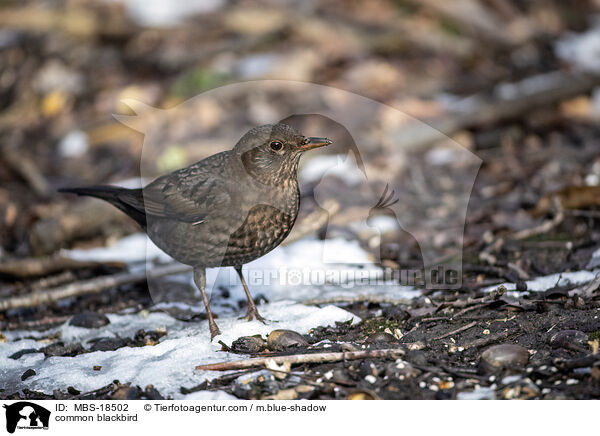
(225, 210)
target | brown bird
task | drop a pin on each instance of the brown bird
(226, 210)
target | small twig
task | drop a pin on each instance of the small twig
(43, 283)
(465, 310)
(546, 226)
(588, 289)
(490, 339)
(303, 358)
(40, 324)
(43, 266)
(520, 272)
(458, 330)
(463, 373)
(91, 286)
(225, 346)
(23, 165)
(581, 362)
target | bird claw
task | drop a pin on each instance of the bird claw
(253, 314)
(214, 330)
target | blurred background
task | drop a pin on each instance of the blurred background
(511, 80)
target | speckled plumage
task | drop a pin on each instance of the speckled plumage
(226, 210)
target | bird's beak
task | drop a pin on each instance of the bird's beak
(315, 143)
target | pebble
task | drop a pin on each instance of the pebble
(29, 373)
(415, 346)
(58, 395)
(249, 344)
(371, 379)
(73, 391)
(362, 395)
(400, 369)
(125, 392)
(60, 349)
(521, 285)
(381, 338)
(152, 394)
(89, 320)
(504, 356)
(108, 344)
(341, 377)
(417, 357)
(143, 338)
(395, 313)
(569, 339)
(279, 340)
(524, 388)
(21, 353)
(246, 386)
(368, 368)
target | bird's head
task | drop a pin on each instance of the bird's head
(270, 153)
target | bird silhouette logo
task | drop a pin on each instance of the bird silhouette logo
(26, 415)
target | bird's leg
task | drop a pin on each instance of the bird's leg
(200, 280)
(252, 310)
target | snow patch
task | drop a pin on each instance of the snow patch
(341, 166)
(542, 284)
(581, 49)
(167, 365)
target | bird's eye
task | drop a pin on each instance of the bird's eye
(276, 145)
(305, 141)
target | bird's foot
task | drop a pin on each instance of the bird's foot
(253, 314)
(214, 329)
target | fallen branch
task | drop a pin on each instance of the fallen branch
(41, 324)
(458, 330)
(490, 339)
(580, 362)
(474, 18)
(588, 289)
(65, 222)
(43, 266)
(91, 286)
(551, 88)
(546, 226)
(520, 272)
(14, 157)
(391, 353)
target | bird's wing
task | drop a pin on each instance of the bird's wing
(188, 195)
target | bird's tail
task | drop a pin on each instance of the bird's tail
(129, 201)
(104, 192)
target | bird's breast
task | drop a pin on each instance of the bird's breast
(264, 228)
